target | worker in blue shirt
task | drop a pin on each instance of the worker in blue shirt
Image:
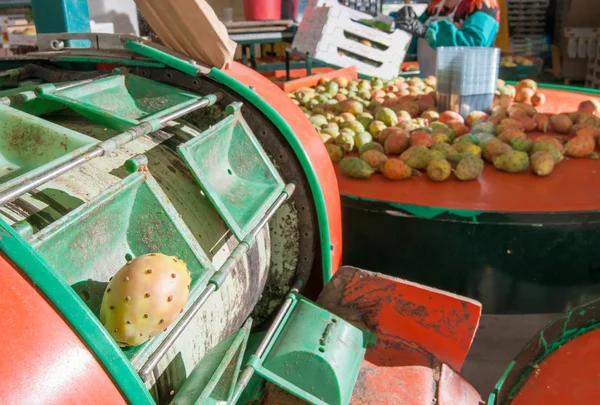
(449, 23)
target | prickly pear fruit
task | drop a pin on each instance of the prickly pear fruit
(509, 134)
(438, 169)
(493, 149)
(370, 146)
(362, 138)
(580, 146)
(469, 168)
(551, 140)
(446, 149)
(345, 141)
(455, 160)
(483, 126)
(421, 138)
(144, 298)
(395, 169)
(481, 138)
(464, 147)
(465, 139)
(521, 144)
(542, 163)
(548, 147)
(416, 157)
(335, 152)
(383, 135)
(561, 123)
(387, 116)
(356, 168)
(438, 137)
(512, 162)
(397, 143)
(374, 158)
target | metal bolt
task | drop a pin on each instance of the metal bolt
(251, 88)
(57, 44)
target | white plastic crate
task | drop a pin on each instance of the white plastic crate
(322, 35)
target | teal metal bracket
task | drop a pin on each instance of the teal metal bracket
(62, 16)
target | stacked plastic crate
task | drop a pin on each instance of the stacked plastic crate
(332, 33)
(372, 7)
(467, 78)
(527, 26)
(584, 44)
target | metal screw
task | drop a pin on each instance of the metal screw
(57, 44)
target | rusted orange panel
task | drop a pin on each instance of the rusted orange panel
(412, 385)
(570, 375)
(571, 187)
(313, 146)
(412, 319)
(43, 361)
(454, 390)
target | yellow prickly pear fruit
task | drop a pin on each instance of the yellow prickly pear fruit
(512, 162)
(468, 148)
(335, 152)
(144, 298)
(469, 168)
(439, 169)
(542, 163)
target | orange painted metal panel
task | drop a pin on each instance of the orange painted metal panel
(43, 360)
(313, 147)
(571, 187)
(415, 324)
(570, 375)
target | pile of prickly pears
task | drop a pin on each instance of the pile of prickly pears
(394, 128)
(144, 297)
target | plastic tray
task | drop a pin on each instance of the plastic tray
(30, 145)
(120, 101)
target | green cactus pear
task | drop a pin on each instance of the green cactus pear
(345, 141)
(332, 88)
(550, 148)
(376, 127)
(446, 149)
(335, 152)
(418, 157)
(468, 138)
(362, 138)
(469, 168)
(356, 168)
(512, 162)
(387, 116)
(456, 159)
(542, 163)
(370, 146)
(521, 144)
(144, 297)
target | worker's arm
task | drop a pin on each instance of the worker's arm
(479, 29)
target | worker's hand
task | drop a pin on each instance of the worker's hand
(407, 20)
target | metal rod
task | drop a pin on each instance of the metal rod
(101, 149)
(221, 274)
(249, 370)
(36, 181)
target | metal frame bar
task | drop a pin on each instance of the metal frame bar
(213, 285)
(104, 147)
